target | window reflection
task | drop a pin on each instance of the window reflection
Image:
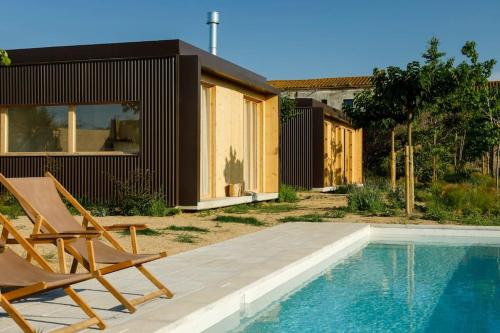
(109, 127)
(38, 129)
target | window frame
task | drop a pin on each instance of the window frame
(71, 148)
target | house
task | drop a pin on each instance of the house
(333, 91)
(98, 113)
(320, 149)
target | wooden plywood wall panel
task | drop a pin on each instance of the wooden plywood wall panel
(228, 131)
(271, 144)
(358, 157)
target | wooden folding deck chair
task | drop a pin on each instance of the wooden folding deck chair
(39, 197)
(24, 279)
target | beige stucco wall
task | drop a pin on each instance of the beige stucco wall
(228, 150)
(334, 97)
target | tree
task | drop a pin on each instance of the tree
(371, 110)
(4, 58)
(287, 108)
(404, 93)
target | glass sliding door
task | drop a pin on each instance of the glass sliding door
(251, 143)
(206, 143)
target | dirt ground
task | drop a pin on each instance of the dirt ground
(161, 239)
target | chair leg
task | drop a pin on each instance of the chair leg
(81, 303)
(15, 315)
(125, 302)
(155, 281)
(74, 266)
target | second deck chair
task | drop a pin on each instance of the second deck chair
(39, 197)
(26, 280)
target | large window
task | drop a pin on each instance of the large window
(37, 129)
(111, 127)
(70, 129)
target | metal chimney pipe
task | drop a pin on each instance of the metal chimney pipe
(213, 21)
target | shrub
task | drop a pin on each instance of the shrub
(137, 197)
(462, 198)
(474, 202)
(238, 219)
(10, 207)
(157, 207)
(436, 213)
(366, 199)
(288, 194)
(396, 198)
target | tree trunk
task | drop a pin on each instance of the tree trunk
(409, 166)
(434, 160)
(483, 165)
(491, 164)
(456, 153)
(393, 160)
(497, 173)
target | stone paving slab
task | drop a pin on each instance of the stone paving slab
(201, 279)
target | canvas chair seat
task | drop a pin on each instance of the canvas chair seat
(17, 272)
(105, 254)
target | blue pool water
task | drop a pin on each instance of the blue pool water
(395, 288)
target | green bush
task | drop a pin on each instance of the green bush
(396, 198)
(461, 198)
(10, 207)
(437, 213)
(366, 199)
(288, 194)
(473, 202)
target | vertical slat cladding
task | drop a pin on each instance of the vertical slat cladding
(151, 82)
(297, 149)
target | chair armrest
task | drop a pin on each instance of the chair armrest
(67, 236)
(82, 233)
(122, 226)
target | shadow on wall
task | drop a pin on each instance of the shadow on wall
(233, 171)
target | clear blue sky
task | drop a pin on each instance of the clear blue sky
(280, 39)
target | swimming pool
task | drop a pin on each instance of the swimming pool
(405, 287)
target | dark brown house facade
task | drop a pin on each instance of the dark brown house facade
(97, 114)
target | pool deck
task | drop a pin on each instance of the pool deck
(213, 282)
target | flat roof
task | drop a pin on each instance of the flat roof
(140, 50)
(327, 110)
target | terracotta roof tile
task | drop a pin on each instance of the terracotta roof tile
(334, 83)
(494, 84)
(329, 82)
